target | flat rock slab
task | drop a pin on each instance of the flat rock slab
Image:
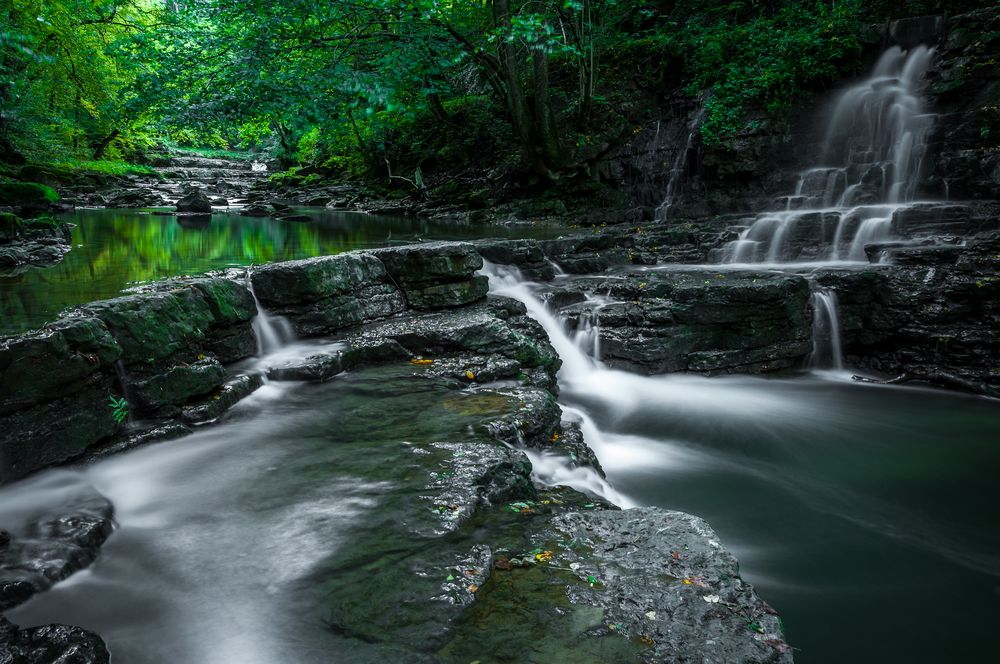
(664, 577)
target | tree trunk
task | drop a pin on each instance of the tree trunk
(104, 143)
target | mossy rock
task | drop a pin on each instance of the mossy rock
(10, 226)
(27, 195)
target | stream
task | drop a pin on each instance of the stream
(865, 514)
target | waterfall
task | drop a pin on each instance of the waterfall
(827, 350)
(679, 169)
(877, 138)
(272, 332)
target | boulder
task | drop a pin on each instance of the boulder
(50, 643)
(152, 326)
(27, 196)
(314, 279)
(195, 201)
(178, 384)
(49, 547)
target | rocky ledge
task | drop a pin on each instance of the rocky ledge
(40, 242)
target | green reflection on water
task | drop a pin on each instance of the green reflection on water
(115, 249)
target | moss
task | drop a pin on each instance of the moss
(31, 194)
(10, 225)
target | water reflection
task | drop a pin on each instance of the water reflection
(114, 249)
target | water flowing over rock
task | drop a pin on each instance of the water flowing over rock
(877, 136)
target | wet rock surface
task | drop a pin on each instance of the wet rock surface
(50, 643)
(31, 243)
(696, 321)
(46, 548)
(683, 596)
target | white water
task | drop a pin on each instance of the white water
(273, 333)
(585, 378)
(875, 142)
(827, 351)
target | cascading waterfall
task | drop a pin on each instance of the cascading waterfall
(877, 133)
(273, 332)
(679, 169)
(827, 350)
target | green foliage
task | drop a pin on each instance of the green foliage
(767, 61)
(119, 408)
(105, 167)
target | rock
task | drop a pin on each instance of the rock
(10, 227)
(432, 262)
(315, 279)
(195, 201)
(135, 198)
(50, 643)
(51, 546)
(255, 210)
(435, 274)
(227, 396)
(27, 197)
(222, 202)
(152, 326)
(52, 362)
(177, 384)
(697, 321)
(52, 431)
(664, 577)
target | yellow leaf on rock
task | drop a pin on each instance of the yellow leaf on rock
(420, 360)
(469, 374)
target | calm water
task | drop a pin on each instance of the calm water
(115, 249)
(868, 516)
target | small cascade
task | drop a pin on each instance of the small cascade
(588, 333)
(258, 166)
(827, 349)
(679, 169)
(877, 138)
(273, 332)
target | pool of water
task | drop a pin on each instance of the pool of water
(867, 516)
(116, 249)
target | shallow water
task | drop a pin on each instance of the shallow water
(116, 249)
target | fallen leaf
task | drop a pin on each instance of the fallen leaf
(469, 374)
(420, 360)
(473, 588)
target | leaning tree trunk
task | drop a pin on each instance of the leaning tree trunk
(104, 143)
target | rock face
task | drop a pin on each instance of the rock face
(933, 317)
